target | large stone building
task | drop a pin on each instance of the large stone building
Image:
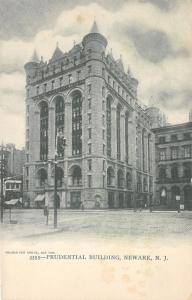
(174, 166)
(87, 96)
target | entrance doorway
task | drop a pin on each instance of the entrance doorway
(111, 199)
(75, 200)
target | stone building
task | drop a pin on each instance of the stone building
(174, 165)
(86, 96)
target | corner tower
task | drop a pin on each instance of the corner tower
(94, 41)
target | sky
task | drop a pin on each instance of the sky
(154, 38)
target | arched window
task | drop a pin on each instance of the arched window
(120, 179)
(126, 136)
(128, 180)
(59, 119)
(174, 171)
(118, 118)
(110, 176)
(77, 176)
(76, 123)
(59, 175)
(42, 177)
(43, 130)
(108, 123)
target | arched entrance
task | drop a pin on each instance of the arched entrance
(188, 197)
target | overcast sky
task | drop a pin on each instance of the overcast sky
(154, 38)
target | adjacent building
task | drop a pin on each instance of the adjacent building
(174, 166)
(86, 96)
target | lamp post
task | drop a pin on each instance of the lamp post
(59, 150)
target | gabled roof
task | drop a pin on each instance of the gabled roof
(57, 53)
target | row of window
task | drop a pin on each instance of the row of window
(176, 152)
(186, 170)
(174, 137)
(12, 186)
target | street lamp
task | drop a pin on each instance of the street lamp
(59, 151)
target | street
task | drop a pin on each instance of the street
(31, 223)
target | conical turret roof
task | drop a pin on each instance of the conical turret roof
(57, 53)
(94, 28)
(34, 57)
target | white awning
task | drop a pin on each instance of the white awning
(40, 197)
(12, 201)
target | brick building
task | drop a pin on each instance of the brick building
(174, 165)
(86, 96)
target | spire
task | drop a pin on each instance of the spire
(57, 53)
(94, 28)
(34, 57)
(120, 63)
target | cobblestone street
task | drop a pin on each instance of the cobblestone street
(98, 223)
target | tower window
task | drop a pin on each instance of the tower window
(77, 123)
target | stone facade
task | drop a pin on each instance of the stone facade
(174, 166)
(108, 159)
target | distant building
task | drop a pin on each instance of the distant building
(16, 160)
(157, 118)
(173, 146)
(87, 96)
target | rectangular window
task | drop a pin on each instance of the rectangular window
(103, 91)
(89, 133)
(89, 118)
(89, 181)
(103, 149)
(187, 151)
(37, 90)
(103, 105)
(69, 78)
(27, 171)
(89, 103)
(173, 137)
(162, 154)
(27, 92)
(89, 89)
(89, 148)
(162, 139)
(187, 136)
(103, 133)
(45, 87)
(78, 75)
(103, 165)
(27, 185)
(103, 120)
(103, 181)
(89, 164)
(60, 81)
(103, 72)
(52, 84)
(27, 157)
(174, 153)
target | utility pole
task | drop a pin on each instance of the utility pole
(2, 158)
(55, 190)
